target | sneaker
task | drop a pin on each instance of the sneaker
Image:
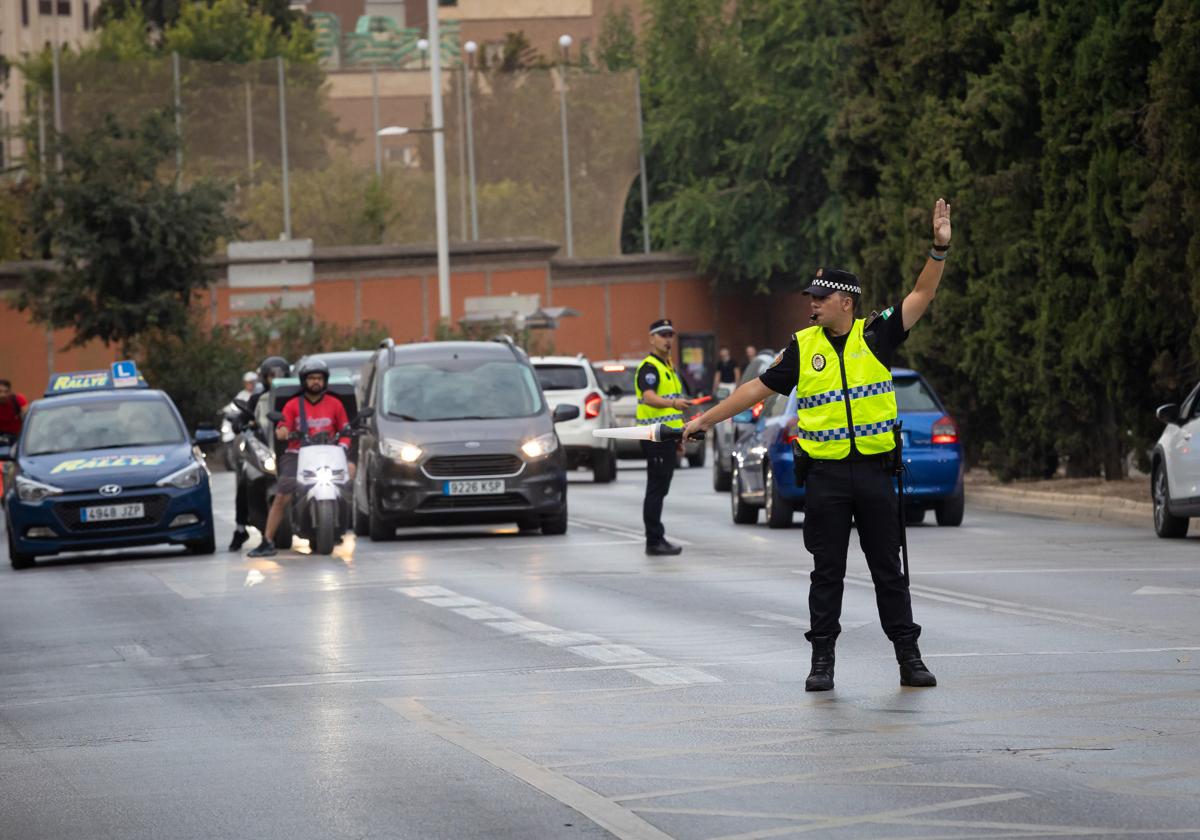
(663, 549)
(239, 539)
(266, 548)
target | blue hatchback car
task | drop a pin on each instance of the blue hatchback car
(100, 465)
(763, 475)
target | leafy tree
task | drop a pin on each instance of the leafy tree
(618, 40)
(131, 246)
(162, 14)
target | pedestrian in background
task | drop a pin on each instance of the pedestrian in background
(12, 410)
(660, 400)
(727, 372)
(848, 449)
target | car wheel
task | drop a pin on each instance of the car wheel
(1165, 525)
(743, 513)
(208, 545)
(604, 466)
(720, 475)
(950, 511)
(696, 459)
(913, 514)
(555, 524)
(778, 509)
(19, 560)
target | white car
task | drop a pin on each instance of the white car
(616, 377)
(570, 380)
(1175, 471)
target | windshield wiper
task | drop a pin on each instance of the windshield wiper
(403, 417)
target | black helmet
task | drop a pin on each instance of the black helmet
(276, 364)
(310, 366)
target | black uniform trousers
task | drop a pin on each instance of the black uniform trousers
(660, 468)
(834, 491)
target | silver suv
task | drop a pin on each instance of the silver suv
(727, 435)
(1175, 471)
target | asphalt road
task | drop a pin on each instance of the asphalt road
(479, 683)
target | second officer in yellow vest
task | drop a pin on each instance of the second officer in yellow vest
(846, 411)
(660, 400)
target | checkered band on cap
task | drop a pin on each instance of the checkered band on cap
(837, 287)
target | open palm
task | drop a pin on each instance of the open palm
(941, 222)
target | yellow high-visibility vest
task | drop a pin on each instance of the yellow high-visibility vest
(668, 387)
(830, 400)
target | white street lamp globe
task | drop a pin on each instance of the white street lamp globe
(565, 41)
(423, 45)
(392, 131)
(470, 47)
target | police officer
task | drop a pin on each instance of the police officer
(840, 368)
(660, 400)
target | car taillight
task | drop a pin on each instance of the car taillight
(591, 405)
(756, 411)
(945, 431)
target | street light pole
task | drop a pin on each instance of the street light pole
(439, 162)
(471, 47)
(564, 41)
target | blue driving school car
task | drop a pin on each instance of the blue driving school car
(763, 477)
(105, 462)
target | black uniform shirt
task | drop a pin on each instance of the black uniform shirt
(883, 335)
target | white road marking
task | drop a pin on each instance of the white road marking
(653, 669)
(607, 815)
(1167, 590)
(680, 675)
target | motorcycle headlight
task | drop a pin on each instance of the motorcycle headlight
(398, 450)
(29, 490)
(540, 446)
(187, 477)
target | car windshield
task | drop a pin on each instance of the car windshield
(100, 424)
(619, 375)
(461, 389)
(913, 395)
(561, 377)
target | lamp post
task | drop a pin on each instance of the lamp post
(423, 46)
(564, 41)
(439, 162)
(471, 47)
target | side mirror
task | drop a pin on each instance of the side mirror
(615, 391)
(1168, 413)
(6, 453)
(563, 413)
(366, 414)
(275, 416)
(746, 416)
(206, 437)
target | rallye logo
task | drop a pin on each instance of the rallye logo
(75, 381)
(104, 462)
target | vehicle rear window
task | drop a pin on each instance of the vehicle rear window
(561, 377)
(461, 389)
(619, 375)
(913, 395)
(100, 424)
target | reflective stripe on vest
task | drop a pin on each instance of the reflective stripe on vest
(667, 387)
(829, 408)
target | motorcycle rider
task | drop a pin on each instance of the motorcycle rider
(323, 412)
(271, 368)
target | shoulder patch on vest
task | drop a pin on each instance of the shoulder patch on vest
(818, 362)
(887, 313)
(778, 358)
(651, 378)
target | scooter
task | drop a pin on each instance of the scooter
(229, 415)
(319, 511)
(257, 473)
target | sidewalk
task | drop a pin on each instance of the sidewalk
(1124, 502)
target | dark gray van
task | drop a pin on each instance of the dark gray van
(461, 435)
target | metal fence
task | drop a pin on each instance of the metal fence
(345, 157)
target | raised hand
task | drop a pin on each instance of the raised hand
(941, 222)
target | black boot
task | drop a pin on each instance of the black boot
(820, 678)
(912, 670)
(239, 539)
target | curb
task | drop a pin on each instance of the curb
(1085, 508)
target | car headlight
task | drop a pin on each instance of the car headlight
(398, 450)
(187, 477)
(29, 490)
(540, 446)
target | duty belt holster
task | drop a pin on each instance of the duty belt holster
(801, 462)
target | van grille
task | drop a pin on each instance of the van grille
(463, 466)
(504, 500)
